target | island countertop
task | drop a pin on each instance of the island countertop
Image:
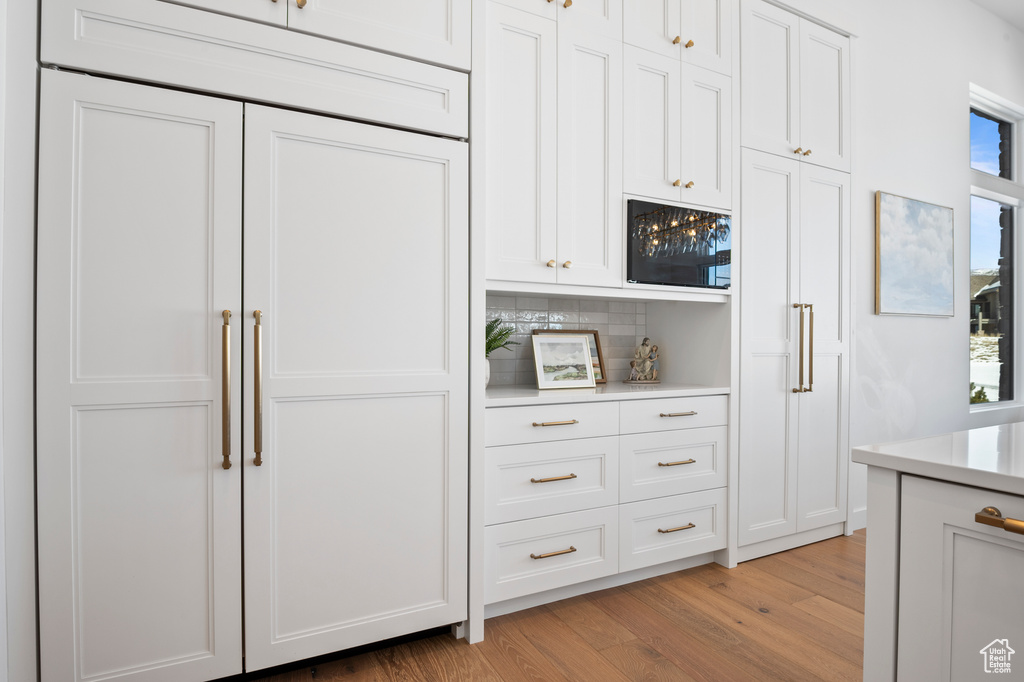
(991, 457)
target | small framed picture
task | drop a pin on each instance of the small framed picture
(596, 357)
(563, 361)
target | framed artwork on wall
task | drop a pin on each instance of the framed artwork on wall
(596, 357)
(913, 257)
(563, 361)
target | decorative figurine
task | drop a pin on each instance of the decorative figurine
(645, 365)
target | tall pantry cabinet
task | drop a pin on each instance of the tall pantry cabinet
(224, 361)
(795, 281)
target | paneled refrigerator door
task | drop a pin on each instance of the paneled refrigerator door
(138, 383)
(355, 516)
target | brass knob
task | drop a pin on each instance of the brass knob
(689, 184)
(551, 263)
(807, 153)
(567, 264)
(300, 3)
(689, 43)
(798, 150)
(568, 4)
(677, 183)
(675, 41)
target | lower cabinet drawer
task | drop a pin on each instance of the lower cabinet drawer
(669, 414)
(669, 528)
(672, 462)
(524, 557)
(540, 479)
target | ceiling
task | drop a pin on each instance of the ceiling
(1010, 10)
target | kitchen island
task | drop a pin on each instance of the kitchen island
(945, 556)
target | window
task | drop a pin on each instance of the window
(996, 198)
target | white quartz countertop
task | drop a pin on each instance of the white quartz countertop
(511, 396)
(991, 457)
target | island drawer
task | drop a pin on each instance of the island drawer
(539, 423)
(672, 462)
(525, 557)
(537, 479)
(669, 528)
(669, 414)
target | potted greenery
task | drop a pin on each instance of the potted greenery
(497, 337)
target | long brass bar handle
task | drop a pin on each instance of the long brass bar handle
(551, 554)
(678, 528)
(257, 388)
(800, 377)
(991, 516)
(678, 414)
(810, 350)
(225, 388)
(565, 423)
(675, 464)
(553, 478)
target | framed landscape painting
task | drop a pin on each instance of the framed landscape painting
(596, 357)
(913, 257)
(563, 361)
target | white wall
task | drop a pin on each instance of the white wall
(913, 61)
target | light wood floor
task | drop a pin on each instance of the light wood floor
(797, 615)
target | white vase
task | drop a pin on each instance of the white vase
(487, 372)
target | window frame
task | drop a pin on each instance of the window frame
(1009, 191)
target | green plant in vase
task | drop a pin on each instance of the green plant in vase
(497, 337)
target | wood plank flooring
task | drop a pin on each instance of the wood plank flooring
(797, 615)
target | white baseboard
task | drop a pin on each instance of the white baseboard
(760, 549)
(858, 519)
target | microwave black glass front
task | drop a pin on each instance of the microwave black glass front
(677, 246)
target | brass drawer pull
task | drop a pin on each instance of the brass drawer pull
(675, 464)
(553, 478)
(673, 530)
(566, 423)
(991, 516)
(678, 414)
(551, 554)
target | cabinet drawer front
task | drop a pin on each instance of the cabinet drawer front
(667, 414)
(570, 548)
(672, 462)
(537, 423)
(656, 531)
(526, 481)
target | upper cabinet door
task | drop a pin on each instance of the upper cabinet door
(653, 25)
(707, 138)
(651, 113)
(270, 11)
(770, 77)
(436, 31)
(824, 97)
(705, 33)
(520, 189)
(590, 236)
(596, 17)
(139, 256)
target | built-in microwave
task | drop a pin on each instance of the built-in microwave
(678, 246)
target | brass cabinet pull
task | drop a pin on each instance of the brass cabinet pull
(300, 3)
(551, 263)
(991, 516)
(677, 40)
(551, 554)
(800, 372)
(225, 389)
(568, 4)
(675, 464)
(689, 43)
(807, 153)
(798, 150)
(678, 528)
(677, 183)
(565, 423)
(679, 414)
(567, 264)
(689, 185)
(810, 349)
(553, 478)
(257, 388)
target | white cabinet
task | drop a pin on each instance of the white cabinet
(795, 87)
(354, 529)
(678, 131)
(698, 32)
(578, 491)
(794, 359)
(431, 30)
(957, 611)
(552, 191)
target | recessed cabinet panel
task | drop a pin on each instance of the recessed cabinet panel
(770, 78)
(824, 233)
(821, 476)
(596, 17)
(652, 25)
(669, 414)
(709, 25)
(539, 423)
(672, 462)
(707, 138)
(824, 96)
(651, 159)
(270, 12)
(669, 528)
